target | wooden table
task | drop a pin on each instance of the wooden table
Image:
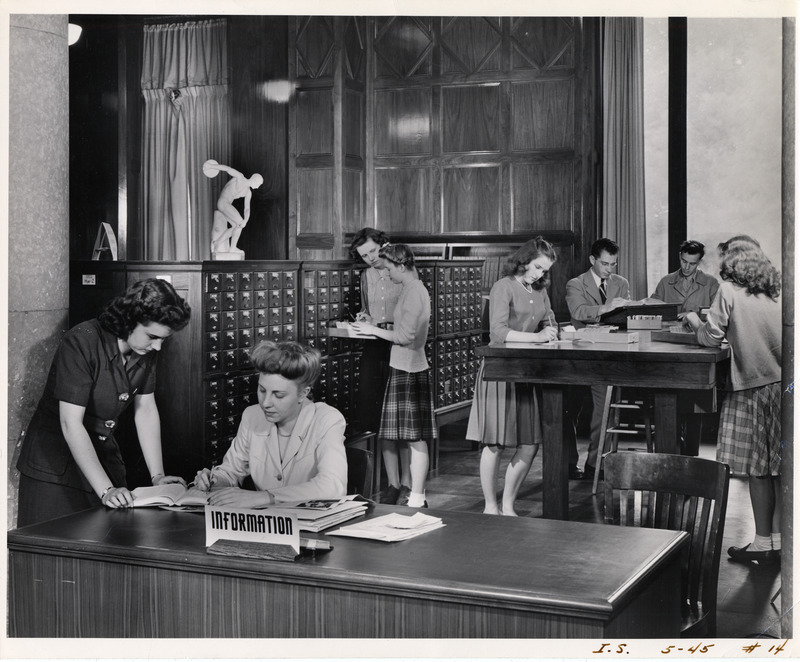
(666, 368)
(145, 573)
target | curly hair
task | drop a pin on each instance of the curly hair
(745, 264)
(520, 259)
(398, 254)
(363, 236)
(148, 301)
(289, 359)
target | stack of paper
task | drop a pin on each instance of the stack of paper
(390, 528)
(320, 514)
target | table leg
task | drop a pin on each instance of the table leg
(555, 493)
(666, 421)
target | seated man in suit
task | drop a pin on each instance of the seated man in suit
(689, 286)
(589, 296)
(693, 289)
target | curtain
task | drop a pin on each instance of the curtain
(623, 147)
(186, 122)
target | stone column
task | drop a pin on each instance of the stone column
(38, 215)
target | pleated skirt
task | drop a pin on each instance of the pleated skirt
(505, 414)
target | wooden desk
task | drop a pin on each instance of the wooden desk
(666, 368)
(146, 573)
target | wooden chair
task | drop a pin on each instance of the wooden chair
(359, 471)
(679, 493)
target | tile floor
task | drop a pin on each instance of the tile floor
(744, 608)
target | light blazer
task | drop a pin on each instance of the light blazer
(313, 467)
(700, 296)
(583, 297)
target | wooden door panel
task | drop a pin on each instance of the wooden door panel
(471, 198)
(542, 197)
(403, 122)
(470, 118)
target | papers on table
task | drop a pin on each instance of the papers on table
(320, 514)
(392, 527)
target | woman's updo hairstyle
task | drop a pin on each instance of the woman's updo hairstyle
(527, 253)
(289, 359)
(148, 301)
(398, 254)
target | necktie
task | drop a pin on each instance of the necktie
(603, 289)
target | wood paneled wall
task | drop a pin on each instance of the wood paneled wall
(473, 127)
(326, 133)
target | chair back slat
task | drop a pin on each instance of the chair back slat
(678, 493)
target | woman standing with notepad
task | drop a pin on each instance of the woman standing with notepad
(506, 414)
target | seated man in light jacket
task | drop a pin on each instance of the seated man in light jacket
(590, 295)
(291, 447)
(689, 286)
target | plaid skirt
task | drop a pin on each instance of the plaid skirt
(407, 413)
(749, 439)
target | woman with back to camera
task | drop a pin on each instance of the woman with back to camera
(70, 459)
(747, 312)
(507, 414)
(407, 414)
(379, 294)
(291, 447)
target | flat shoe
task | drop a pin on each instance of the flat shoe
(744, 555)
(574, 473)
(402, 499)
(390, 494)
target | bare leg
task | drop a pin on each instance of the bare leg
(419, 465)
(777, 513)
(490, 464)
(235, 234)
(391, 462)
(405, 464)
(762, 499)
(515, 474)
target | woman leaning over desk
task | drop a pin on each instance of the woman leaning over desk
(505, 414)
(291, 447)
(70, 459)
(747, 312)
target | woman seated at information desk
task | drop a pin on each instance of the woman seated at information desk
(291, 447)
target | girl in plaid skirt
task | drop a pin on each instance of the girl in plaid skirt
(407, 414)
(747, 312)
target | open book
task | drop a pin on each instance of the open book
(172, 494)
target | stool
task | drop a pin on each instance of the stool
(616, 403)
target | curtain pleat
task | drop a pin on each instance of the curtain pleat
(186, 122)
(623, 147)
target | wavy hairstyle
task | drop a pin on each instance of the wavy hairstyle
(289, 359)
(745, 264)
(145, 302)
(363, 236)
(520, 259)
(692, 247)
(398, 254)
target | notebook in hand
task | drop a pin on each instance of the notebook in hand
(171, 494)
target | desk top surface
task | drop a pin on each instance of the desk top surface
(581, 349)
(522, 562)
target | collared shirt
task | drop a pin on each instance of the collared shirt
(686, 282)
(379, 295)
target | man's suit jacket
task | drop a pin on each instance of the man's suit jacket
(584, 300)
(700, 296)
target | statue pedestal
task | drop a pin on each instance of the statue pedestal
(227, 256)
